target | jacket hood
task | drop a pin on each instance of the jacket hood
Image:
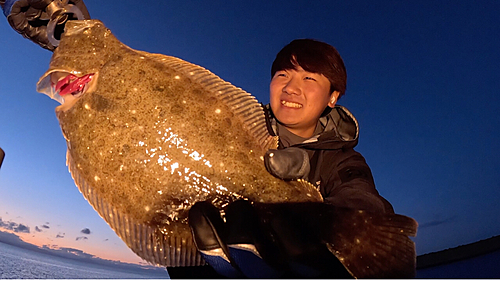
(341, 130)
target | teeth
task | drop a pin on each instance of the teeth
(291, 104)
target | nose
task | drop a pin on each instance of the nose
(292, 87)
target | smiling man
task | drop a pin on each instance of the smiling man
(308, 77)
(316, 144)
(298, 97)
(303, 84)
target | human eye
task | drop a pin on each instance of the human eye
(311, 78)
(280, 74)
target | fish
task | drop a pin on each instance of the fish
(149, 135)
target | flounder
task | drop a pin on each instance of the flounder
(149, 135)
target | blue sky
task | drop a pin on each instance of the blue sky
(423, 82)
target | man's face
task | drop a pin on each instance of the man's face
(298, 98)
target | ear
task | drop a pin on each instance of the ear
(333, 99)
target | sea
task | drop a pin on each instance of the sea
(19, 263)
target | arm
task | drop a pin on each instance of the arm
(345, 178)
(313, 240)
(348, 182)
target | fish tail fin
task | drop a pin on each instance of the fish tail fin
(376, 246)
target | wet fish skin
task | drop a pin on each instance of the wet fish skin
(156, 135)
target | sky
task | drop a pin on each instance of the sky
(423, 82)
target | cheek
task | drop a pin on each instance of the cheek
(319, 100)
(274, 92)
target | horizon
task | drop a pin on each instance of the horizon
(11, 238)
(428, 260)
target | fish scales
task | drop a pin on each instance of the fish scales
(156, 134)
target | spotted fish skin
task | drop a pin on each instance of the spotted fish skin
(155, 135)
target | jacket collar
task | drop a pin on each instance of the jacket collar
(341, 129)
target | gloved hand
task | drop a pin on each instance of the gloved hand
(234, 248)
(261, 241)
(29, 18)
(291, 163)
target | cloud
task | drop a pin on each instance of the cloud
(6, 224)
(85, 231)
(81, 238)
(436, 222)
(9, 225)
(22, 228)
(45, 226)
(37, 229)
(60, 235)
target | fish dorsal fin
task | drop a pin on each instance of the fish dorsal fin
(244, 105)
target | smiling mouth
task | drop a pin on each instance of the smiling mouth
(73, 85)
(291, 104)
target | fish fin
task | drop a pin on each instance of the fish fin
(243, 104)
(145, 240)
(373, 245)
(368, 245)
(312, 190)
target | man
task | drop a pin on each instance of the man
(316, 144)
(308, 78)
(317, 140)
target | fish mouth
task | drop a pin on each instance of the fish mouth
(72, 85)
(66, 87)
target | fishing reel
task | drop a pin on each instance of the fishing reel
(59, 12)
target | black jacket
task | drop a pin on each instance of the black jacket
(341, 174)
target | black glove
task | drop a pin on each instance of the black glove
(291, 163)
(234, 248)
(30, 18)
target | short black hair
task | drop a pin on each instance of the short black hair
(313, 56)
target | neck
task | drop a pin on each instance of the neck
(302, 132)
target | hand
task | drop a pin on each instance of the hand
(30, 18)
(291, 163)
(231, 248)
